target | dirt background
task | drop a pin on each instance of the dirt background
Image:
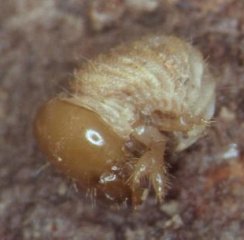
(41, 44)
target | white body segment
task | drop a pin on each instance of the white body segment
(160, 77)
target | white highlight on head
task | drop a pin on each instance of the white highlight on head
(94, 137)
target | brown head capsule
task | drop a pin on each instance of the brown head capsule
(125, 109)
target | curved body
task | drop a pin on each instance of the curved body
(161, 77)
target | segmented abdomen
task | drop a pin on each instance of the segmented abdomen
(155, 74)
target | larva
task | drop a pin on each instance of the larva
(125, 108)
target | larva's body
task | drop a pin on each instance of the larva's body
(158, 75)
(149, 93)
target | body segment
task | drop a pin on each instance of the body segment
(156, 76)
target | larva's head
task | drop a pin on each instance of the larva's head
(79, 143)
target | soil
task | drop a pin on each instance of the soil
(41, 44)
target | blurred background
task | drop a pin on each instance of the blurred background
(42, 42)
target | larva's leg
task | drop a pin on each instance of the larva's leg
(150, 165)
(183, 123)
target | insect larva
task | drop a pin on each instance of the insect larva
(125, 109)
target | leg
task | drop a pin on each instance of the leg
(150, 165)
(169, 122)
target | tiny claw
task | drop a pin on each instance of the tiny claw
(159, 181)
